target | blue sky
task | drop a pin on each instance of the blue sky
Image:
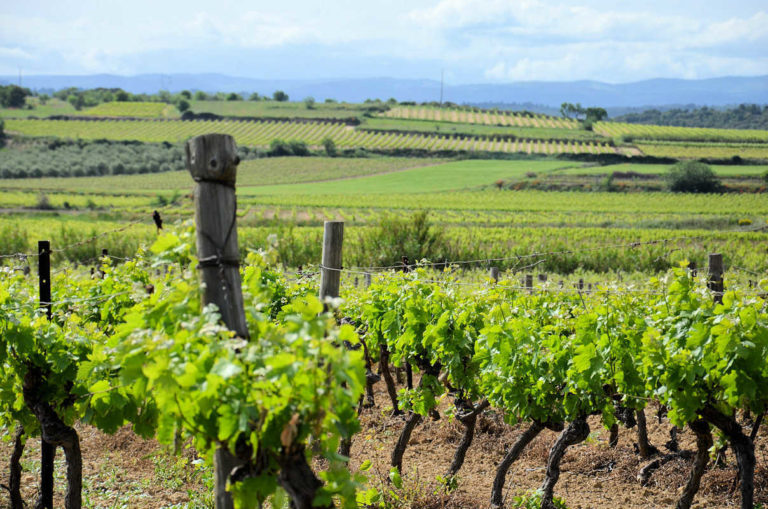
(474, 41)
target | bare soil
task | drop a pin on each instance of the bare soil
(123, 470)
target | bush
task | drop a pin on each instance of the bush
(279, 95)
(309, 102)
(298, 148)
(693, 177)
(279, 147)
(394, 237)
(330, 147)
(182, 105)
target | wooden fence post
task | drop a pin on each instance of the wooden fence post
(212, 161)
(330, 269)
(44, 275)
(529, 282)
(367, 279)
(47, 451)
(716, 276)
(494, 274)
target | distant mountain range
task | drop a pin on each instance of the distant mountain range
(656, 92)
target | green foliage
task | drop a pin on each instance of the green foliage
(330, 148)
(280, 96)
(13, 96)
(744, 116)
(532, 500)
(309, 102)
(83, 158)
(394, 237)
(182, 105)
(254, 97)
(234, 97)
(693, 177)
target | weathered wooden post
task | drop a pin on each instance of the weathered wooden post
(47, 451)
(494, 274)
(330, 269)
(212, 161)
(715, 283)
(367, 279)
(529, 282)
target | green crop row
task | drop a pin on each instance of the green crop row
(262, 133)
(485, 117)
(673, 133)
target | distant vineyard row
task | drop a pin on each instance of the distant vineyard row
(261, 134)
(692, 150)
(673, 133)
(484, 117)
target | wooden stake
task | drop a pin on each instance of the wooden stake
(716, 277)
(494, 274)
(330, 275)
(212, 161)
(44, 275)
(47, 451)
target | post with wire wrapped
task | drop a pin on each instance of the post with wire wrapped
(212, 161)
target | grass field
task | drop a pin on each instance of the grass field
(52, 107)
(278, 109)
(133, 109)
(451, 176)
(253, 172)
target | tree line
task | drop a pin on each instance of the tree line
(744, 116)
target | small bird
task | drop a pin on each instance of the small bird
(158, 221)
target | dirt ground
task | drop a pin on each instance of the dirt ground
(123, 470)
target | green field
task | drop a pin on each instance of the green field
(452, 176)
(261, 134)
(254, 172)
(133, 109)
(277, 109)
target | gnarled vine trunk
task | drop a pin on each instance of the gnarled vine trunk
(57, 434)
(402, 442)
(387, 374)
(645, 449)
(703, 443)
(743, 449)
(14, 474)
(298, 480)
(469, 421)
(576, 432)
(514, 452)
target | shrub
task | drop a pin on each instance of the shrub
(693, 177)
(279, 147)
(43, 203)
(298, 148)
(309, 102)
(330, 147)
(394, 237)
(279, 95)
(182, 105)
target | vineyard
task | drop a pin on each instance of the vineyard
(262, 133)
(132, 346)
(479, 116)
(670, 133)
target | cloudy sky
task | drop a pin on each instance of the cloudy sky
(473, 41)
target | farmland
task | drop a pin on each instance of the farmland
(602, 254)
(261, 134)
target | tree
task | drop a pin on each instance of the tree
(185, 94)
(182, 105)
(596, 114)
(13, 96)
(77, 101)
(200, 96)
(254, 97)
(234, 97)
(569, 110)
(693, 177)
(309, 102)
(122, 96)
(279, 95)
